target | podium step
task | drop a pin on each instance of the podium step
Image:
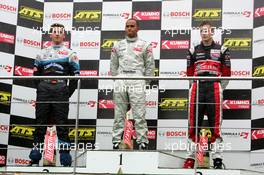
(125, 162)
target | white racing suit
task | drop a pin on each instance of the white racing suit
(131, 57)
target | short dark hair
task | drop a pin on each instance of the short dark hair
(56, 25)
(205, 23)
(133, 19)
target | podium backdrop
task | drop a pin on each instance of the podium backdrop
(94, 25)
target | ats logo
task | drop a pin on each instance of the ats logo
(259, 12)
(108, 44)
(5, 98)
(258, 71)
(7, 38)
(83, 133)
(207, 14)
(173, 104)
(6, 68)
(238, 43)
(8, 8)
(147, 16)
(88, 16)
(31, 13)
(25, 132)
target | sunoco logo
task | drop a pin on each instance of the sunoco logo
(31, 13)
(88, 16)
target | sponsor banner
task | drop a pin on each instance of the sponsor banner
(21, 131)
(86, 133)
(237, 104)
(6, 66)
(257, 103)
(175, 68)
(28, 42)
(18, 156)
(152, 134)
(175, 13)
(239, 43)
(104, 129)
(174, 44)
(8, 11)
(153, 38)
(5, 98)
(108, 38)
(148, 14)
(86, 44)
(258, 42)
(172, 135)
(104, 70)
(258, 71)
(240, 68)
(88, 104)
(258, 13)
(4, 128)
(257, 139)
(173, 104)
(209, 10)
(232, 13)
(236, 139)
(115, 15)
(23, 104)
(23, 67)
(30, 14)
(89, 68)
(7, 38)
(87, 16)
(106, 104)
(60, 12)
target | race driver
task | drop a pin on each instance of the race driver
(207, 59)
(53, 95)
(131, 57)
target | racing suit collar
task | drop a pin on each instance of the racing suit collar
(131, 39)
(207, 47)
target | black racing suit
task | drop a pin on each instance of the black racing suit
(53, 95)
(213, 60)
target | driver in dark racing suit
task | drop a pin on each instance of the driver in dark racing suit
(207, 59)
(53, 95)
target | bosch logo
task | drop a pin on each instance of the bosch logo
(89, 44)
(31, 43)
(22, 161)
(8, 8)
